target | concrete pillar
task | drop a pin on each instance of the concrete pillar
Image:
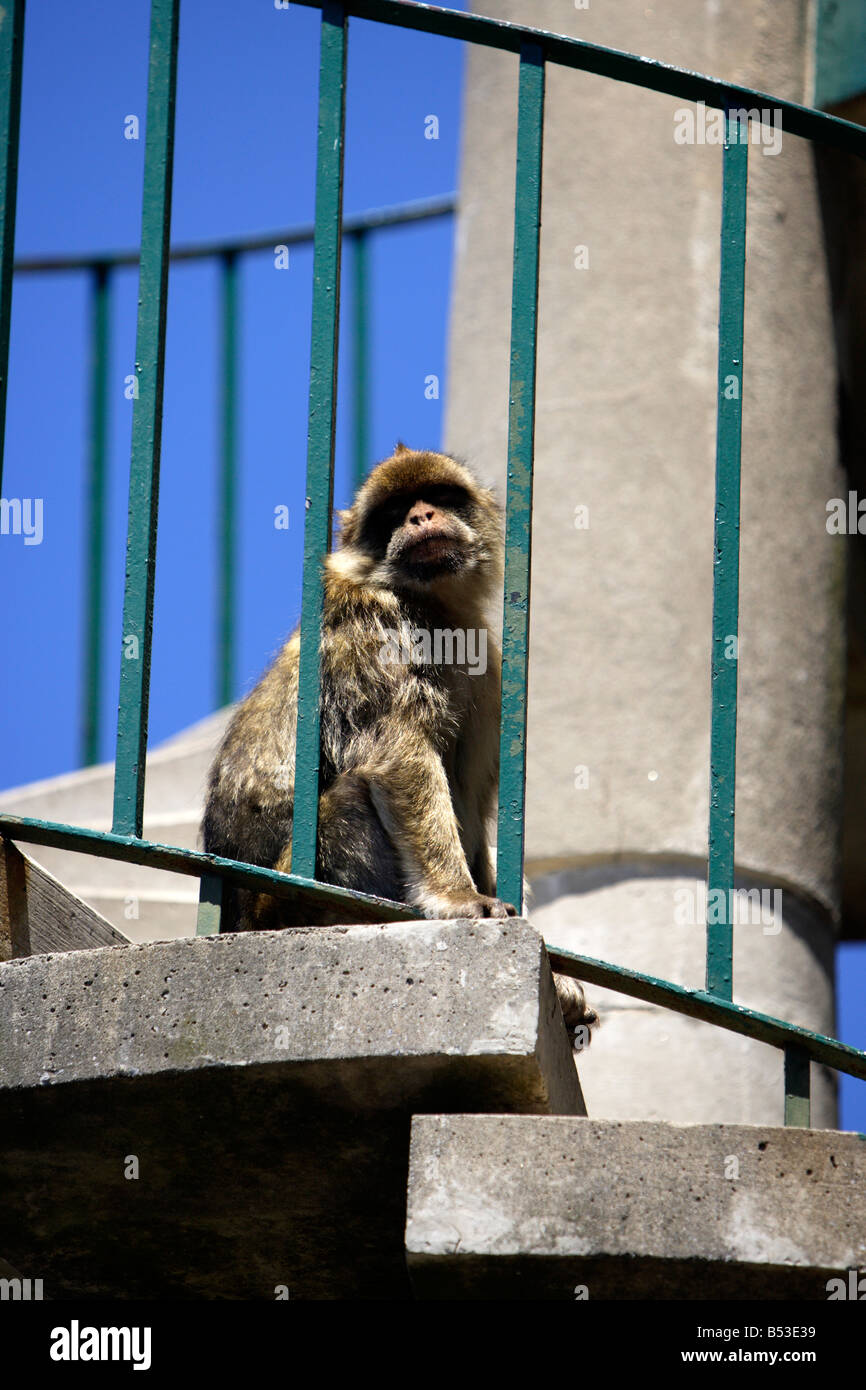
(619, 668)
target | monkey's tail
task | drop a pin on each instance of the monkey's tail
(579, 1018)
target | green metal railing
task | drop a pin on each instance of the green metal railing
(536, 49)
(228, 255)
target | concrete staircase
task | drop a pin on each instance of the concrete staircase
(520, 1207)
(376, 1112)
(224, 1117)
(242, 1117)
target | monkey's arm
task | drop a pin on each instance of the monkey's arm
(476, 764)
(410, 791)
(483, 871)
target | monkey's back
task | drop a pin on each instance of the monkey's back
(250, 790)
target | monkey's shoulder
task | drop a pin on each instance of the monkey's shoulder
(351, 604)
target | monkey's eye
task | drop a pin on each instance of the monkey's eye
(447, 495)
(381, 522)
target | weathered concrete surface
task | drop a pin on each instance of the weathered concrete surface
(38, 915)
(265, 1084)
(625, 427)
(618, 738)
(513, 1207)
(652, 1064)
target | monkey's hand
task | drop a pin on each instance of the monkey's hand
(445, 905)
(412, 797)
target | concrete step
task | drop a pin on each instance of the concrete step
(38, 915)
(151, 914)
(261, 1087)
(533, 1207)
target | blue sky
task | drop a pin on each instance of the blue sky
(244, 164)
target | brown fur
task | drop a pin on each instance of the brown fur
(409, 752)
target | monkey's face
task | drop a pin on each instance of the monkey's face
(422, 522)
(423, 537)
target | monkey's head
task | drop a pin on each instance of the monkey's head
(421, 522)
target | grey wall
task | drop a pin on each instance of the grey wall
(620, 643)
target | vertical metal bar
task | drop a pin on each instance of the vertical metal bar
(322, 424)
(91, 701)
(723, 732)
(362, 347)
(518, 512)
(11, 53)
(210, 901)
(228, 477)
(797, 1087)
(146, 422)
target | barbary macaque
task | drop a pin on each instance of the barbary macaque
(410, 679)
